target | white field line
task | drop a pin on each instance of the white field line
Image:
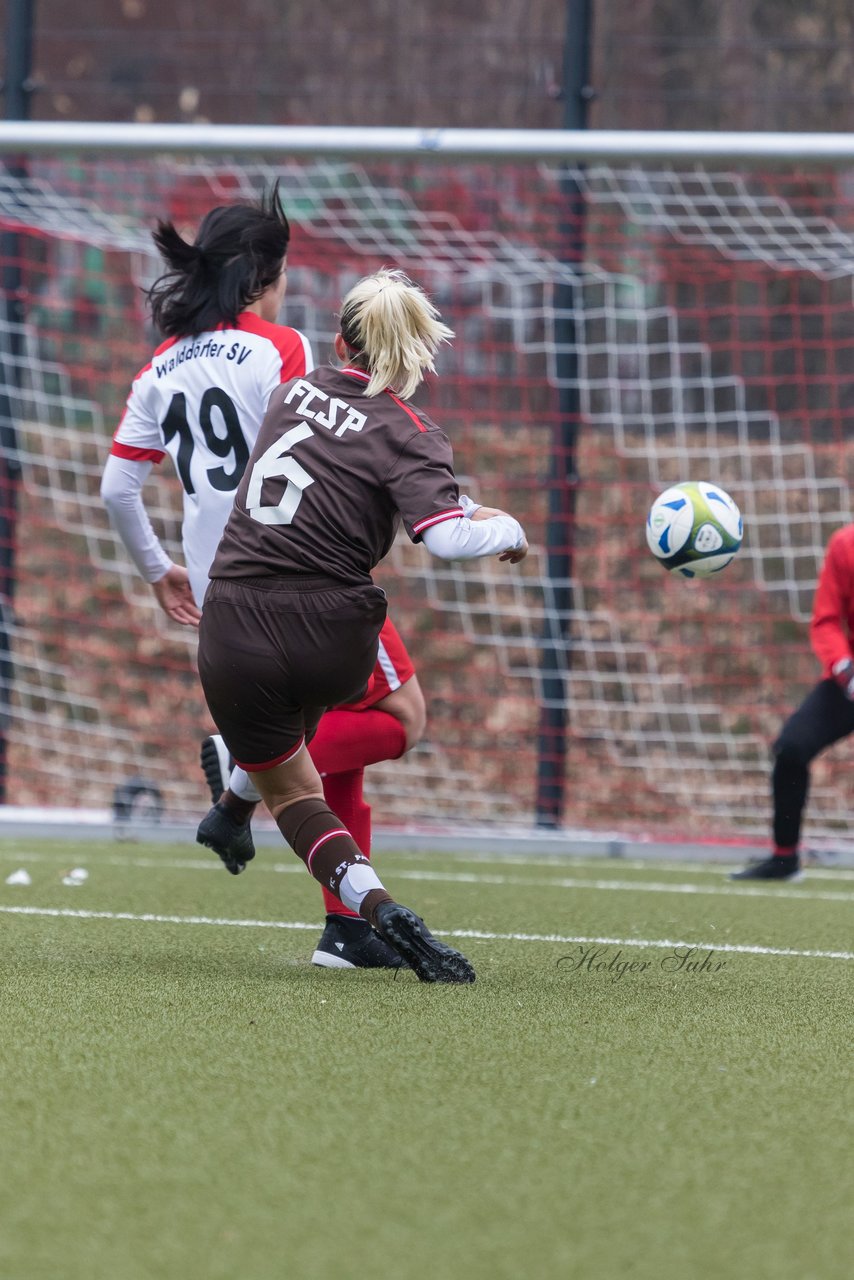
(639, 864)
(476, 935)
(720, 889)
(555, 863)
(626, 886)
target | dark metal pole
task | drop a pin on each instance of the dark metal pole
(17, 89)
(563, 477)
(17, 80)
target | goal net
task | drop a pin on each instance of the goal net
(619, 328)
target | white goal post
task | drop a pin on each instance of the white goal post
(631, 309)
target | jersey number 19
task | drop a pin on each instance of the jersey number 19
(177, 423)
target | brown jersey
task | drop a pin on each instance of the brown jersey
(331, 476)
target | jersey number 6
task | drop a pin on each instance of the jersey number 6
(277, 462)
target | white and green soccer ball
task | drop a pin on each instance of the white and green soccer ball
(694, 529)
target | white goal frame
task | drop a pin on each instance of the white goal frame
(578, 145)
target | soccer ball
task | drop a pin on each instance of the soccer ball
(694, 529)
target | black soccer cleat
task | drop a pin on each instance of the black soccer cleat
(217, 765)
(407, 933)
(232, 840)
(784, 866)
(351, 943)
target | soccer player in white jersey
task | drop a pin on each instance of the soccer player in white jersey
(201, 398)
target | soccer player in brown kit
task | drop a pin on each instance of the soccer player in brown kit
(291, 616)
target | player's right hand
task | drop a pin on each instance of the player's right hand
(515, 554)
(175, 596)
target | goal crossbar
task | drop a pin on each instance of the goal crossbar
(606, 145)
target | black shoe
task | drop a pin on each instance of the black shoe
(216, 765)
(407, 933)
(231, 839)
(348, 943)
(780, 866)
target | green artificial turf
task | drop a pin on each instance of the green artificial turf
(190, 1098)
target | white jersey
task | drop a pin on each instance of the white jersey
(202, 401)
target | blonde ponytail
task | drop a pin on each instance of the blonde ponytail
(392, 324)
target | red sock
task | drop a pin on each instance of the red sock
(782, 851)
(347, 740)
(343, 794)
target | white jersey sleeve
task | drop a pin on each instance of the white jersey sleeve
(464, 539)
(121, 493)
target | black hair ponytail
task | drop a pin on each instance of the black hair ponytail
(237, 253)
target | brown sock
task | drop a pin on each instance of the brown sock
(326, 847)
(371, 901)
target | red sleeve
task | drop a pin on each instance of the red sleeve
(834, 600)
(294, 349)
(133, 454)
(143, 439)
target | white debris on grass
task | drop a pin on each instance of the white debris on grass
(77, 876)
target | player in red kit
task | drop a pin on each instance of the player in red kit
(825, 716)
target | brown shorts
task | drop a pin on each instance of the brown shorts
(274, 653)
